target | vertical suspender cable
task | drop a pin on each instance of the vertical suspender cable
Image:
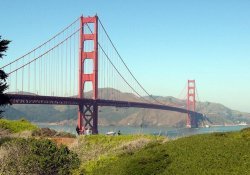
(69, 67)
(66, 66)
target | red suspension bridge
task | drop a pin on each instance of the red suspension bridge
(81, 66)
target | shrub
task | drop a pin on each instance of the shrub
(31, 156)
(47, 132)
(4, 139)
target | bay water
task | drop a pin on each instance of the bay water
(169, 132)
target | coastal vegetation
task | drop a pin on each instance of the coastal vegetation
(33, 153)
(36, 156)
(16, 126)
(97, 150)
(216, 153)
(46, 153)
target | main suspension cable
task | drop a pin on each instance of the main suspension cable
(126, 65)
(41, 44)
(45, 52)
(116, 68)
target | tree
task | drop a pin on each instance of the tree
(4, 99)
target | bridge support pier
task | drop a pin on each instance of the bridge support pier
(193, 121)
(88, 119)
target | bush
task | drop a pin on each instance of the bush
(31, 156)
(4, 139)
(47, 132)
(246, 129)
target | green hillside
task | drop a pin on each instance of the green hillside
(217, 153)
(15, 126)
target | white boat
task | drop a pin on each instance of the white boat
(207, 126)
(242, 124)
(110, 133)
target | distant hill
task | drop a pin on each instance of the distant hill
(217, 113)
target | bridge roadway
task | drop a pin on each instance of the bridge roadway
(36, 99)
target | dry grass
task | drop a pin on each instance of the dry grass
(69, 142)
(96, 146)
(130, 147)
(23, 134)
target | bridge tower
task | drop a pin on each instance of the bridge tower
(88, 113)
(191, 104)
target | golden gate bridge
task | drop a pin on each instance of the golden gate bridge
(81, 66)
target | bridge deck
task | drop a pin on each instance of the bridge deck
(35, 99)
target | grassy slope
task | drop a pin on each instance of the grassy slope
(218, 153)
(15, 126)
(96, 149)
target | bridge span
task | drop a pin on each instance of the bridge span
(36, 99)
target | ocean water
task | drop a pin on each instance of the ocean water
(169, 132)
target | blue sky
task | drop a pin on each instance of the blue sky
(165, 43)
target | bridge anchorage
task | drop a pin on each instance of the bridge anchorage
(48, 75)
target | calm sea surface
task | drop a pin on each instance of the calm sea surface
(170, 132)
